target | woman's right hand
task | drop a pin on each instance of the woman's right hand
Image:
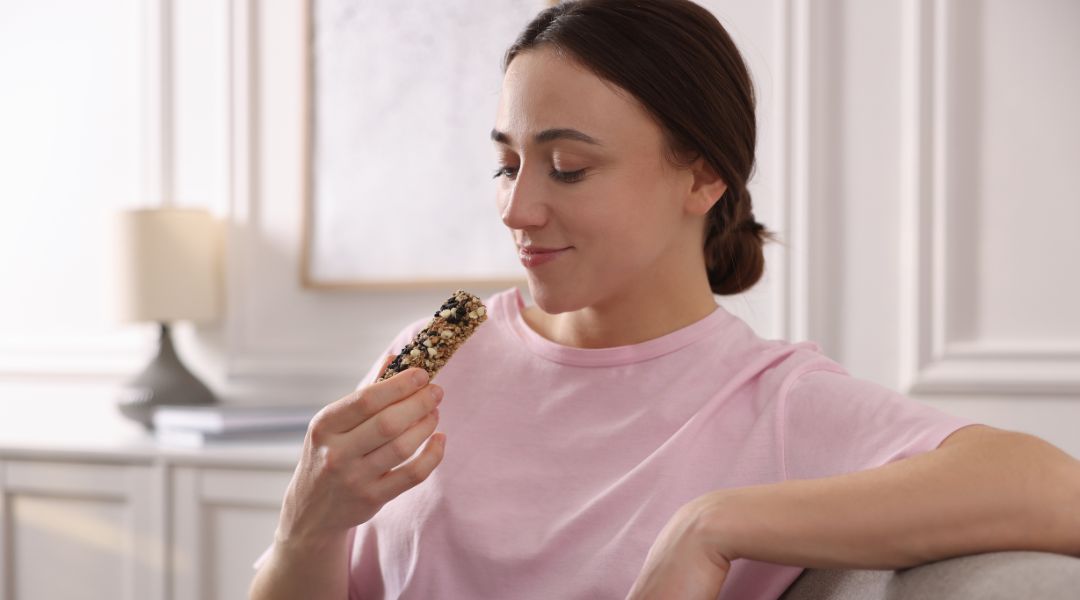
(351, 463)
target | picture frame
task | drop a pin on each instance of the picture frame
(397, 178)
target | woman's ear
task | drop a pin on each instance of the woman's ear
(706, 189)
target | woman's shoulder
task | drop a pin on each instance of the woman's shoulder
(778, 363)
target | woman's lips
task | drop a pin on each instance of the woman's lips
(534, 256)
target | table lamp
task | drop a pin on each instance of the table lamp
(166, 270)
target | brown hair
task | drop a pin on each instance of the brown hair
(680, 63)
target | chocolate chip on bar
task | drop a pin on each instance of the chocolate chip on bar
(452, 324)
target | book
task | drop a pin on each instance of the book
(226, 419)
(192, 438)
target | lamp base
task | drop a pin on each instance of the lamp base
(165, 381)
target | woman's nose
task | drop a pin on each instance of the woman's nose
(522, 204)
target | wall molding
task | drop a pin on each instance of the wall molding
(242, 172)
(792, 54)
(932, 362)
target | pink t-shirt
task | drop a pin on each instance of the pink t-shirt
(563, 464)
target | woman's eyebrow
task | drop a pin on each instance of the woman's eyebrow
(548, 135)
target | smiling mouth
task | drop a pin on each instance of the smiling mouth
(532, 257)
(537, 250)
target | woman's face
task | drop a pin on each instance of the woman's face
(581, 169)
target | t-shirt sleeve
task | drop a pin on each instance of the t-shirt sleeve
(834, 423)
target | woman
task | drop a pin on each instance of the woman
(626, 435)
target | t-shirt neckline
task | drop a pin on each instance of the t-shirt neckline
(511, 308)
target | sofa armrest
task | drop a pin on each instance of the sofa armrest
(990, 576)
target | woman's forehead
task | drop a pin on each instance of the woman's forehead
(542, 91)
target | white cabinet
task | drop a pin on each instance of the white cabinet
(72, 530)
(223, 519)
(139, 523)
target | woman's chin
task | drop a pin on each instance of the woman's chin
(552, 299)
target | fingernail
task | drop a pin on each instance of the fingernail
(437, 392)
(420, 377)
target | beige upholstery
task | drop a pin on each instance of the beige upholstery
(992, 576)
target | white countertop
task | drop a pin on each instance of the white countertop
(91, 429)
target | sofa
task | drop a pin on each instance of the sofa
(1013, 575)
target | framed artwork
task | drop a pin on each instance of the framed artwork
(398, 187)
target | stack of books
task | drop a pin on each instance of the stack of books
(196, 426)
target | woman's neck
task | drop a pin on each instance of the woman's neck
(632, 318)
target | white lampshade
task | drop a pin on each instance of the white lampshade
(166, 265)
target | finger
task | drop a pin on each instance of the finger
(391, 421)
(408, 475)
(398, 450)
(348, 412)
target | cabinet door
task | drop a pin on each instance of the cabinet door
(223, 519)
(79, 531)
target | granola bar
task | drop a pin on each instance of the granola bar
(452, 324)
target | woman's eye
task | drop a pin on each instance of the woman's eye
(508, 172)
(562, 176)
(568, 176)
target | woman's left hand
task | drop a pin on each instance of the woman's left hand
(685, 561)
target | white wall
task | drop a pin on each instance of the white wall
(916, 155)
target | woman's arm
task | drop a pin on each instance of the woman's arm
(982, 490)
(319, 571)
